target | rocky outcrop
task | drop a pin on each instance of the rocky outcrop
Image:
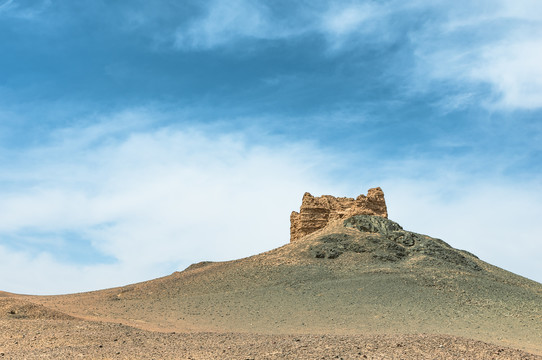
(381, 240)
(316, 212)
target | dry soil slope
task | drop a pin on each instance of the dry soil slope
(362, 275)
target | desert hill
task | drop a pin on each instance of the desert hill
(352, 276)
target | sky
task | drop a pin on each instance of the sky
(137, 137)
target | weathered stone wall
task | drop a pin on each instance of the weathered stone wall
(316, 212)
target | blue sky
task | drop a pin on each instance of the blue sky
(139, 137)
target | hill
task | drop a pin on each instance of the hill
(362, 279)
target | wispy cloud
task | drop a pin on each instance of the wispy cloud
(152, 199)
(226, 22)
(341, 20)
(147, 200)
(497, 46)
(503, 50)
(6, 5)
(348, 24)
(17, 9)
(513, 68)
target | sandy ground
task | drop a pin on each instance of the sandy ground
(72, 339)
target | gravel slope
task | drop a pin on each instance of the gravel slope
(64, 339)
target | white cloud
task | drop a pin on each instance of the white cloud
(513, 68)
(43, 274)
(150, 199)
(510, 67)
(158, 199)
(340, 20)
(225, 22)
(497, 45)
(529, 10)
(350, 24)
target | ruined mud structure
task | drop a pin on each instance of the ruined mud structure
(316, 212)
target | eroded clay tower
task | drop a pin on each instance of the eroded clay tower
(316, 212)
